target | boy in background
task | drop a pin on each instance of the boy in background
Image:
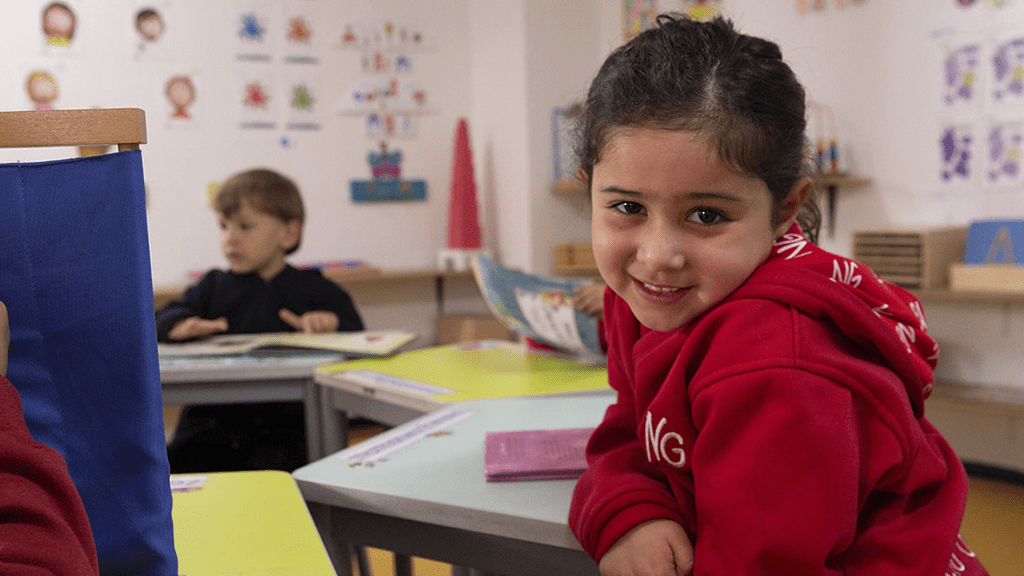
(260, 214)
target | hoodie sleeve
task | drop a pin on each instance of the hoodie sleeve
(43, 526)
(778, 461)
(620, 489)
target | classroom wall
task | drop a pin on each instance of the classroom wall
(103, 66)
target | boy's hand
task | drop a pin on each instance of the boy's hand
(196, 327)
(589, 298)
(654, 548)
(314, 322)
(5, 339)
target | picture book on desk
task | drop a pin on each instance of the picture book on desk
(540, 307)
(535, 454)
(358, 344)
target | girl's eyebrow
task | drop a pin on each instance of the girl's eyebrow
(689, 195)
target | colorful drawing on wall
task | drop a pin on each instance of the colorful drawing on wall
(303, 98)
(957, 157)
(42, 89)
(1008, 71)
(150, 25)
(181, 93)
(387, 184)
(701, 10)
(301, 37)
(58, 24)
(251, 30)
(1004, 152)
(386, 94)
(258, 98)
(639, 16)
(960, 76)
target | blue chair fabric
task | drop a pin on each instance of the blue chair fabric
(75, 275)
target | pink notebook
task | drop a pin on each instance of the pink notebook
(535, 454)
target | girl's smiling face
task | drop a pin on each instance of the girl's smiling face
(674, 230)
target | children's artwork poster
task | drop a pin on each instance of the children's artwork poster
(804, 6)
(957, 145)
(152, 30)
(961, 73)
(252, 31)
(257, 97)
(42, 89)
(386, 93)
(1008, 71)
(638, 15)
(59, 26)
(1003, 152)
(301, 35)
(181, 92)
(304, 102)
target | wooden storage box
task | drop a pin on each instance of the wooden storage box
(916, 259)
(574, 258)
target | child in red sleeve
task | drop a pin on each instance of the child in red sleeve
(770, 411)
(43, 525)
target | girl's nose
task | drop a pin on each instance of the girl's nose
(661, 249)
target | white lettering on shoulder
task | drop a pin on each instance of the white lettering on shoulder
(659, 444)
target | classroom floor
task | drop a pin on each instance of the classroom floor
(993, 525)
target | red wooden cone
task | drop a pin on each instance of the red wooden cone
(463, 222)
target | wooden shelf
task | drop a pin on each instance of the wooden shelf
(839, 180)
(972, 297)
(568, 188)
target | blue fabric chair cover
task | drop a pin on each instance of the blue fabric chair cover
(76, 278)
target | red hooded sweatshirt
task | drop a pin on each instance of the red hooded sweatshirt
(783, 429)
(43, 526)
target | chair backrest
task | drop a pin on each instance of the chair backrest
(75, 276)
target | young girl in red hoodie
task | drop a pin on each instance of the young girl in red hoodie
(770, 410)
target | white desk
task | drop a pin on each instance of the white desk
(429, 498)
(253, 377)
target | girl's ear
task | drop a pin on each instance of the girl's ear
(792, 204)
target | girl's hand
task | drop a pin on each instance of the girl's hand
(589, 299)
(314, 322)
(654, 548)
(196, 327)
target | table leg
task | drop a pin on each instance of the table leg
(314, 417)
(333, 424)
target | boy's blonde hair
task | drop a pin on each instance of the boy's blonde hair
(265, 191)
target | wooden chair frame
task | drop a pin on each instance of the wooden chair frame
(121, 127)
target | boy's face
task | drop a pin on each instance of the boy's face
(253, 241)
(675, 231)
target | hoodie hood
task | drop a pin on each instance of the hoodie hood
(868, 309)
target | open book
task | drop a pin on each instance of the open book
(535, 454)
(366, 343)
(540, 307)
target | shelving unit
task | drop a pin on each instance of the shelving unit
(983, 423)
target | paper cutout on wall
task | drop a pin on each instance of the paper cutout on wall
(303, 98)
(957, 157)
(59, 22)
(42, 89)
(301, 34)
(252, 26)
(387, 184)
(960, 74)
(1004, 152)
(257, 97)
(1008, 71)
(181, 93)
(151, 30)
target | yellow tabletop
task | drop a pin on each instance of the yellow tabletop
(242, 523)
(469, 371)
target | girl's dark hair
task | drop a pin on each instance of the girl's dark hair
(265, 191)
(707, 78)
